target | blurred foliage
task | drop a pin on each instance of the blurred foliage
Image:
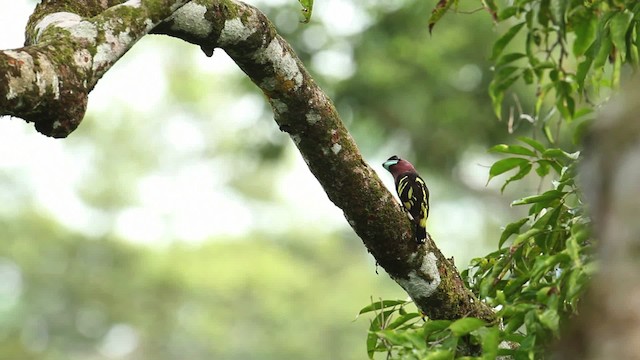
(307, 9)
(66, 297)
(572, 56)
(534, 280)
(433, 87)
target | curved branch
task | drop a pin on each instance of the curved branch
(303, 111)
(47, 82)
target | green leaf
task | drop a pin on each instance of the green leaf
(531, 49)
(531, 322)
(514, 323)
(400, 320)
(545, 197)
(508, 12)
(307, 8)
(585, 113)
(376, 325)
(567, 106)
(548, 219)
(372, 341)
(379, 321)
(534, 144)
(583, 70)
(395, 338)
(508, 58)
(444, 354)
(490, 5)
(577, 281)
(573, 249)
(560, 154)
(512, 149)
(490, 341)
(543, 168)
(634, 52)
(615, 75)
(526, 236)
(441, 8)
(551, 320)
(580, 231)
(527, 76)
(527, 347)
(511, 229)
(547, 65)
(466, 325)
(503, 73)
(381, 305)
(524, 170)
(586, 32)
(433, 326)
(547, 132)
(504, 40)
(556, 166)
(504, 165)
(417, 339)
(619, 26)
(543, 265)
(542, 295)
(603, 51)
(544, 13)
(514, 286)
(496, 101)
(486, 285)
(496, 91)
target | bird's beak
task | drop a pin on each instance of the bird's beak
(389, 163)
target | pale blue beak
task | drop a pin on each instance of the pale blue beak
(389, 163)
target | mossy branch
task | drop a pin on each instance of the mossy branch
(70, 45)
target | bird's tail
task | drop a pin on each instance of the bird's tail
(421, 234)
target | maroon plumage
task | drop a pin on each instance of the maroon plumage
(413, 193)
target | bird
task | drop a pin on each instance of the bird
(413, 193)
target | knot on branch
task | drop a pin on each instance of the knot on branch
(63, 116)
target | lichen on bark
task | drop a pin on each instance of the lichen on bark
(69, 46)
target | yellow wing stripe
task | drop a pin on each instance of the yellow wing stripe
(425, 198)
(402, 184)
(407, 191)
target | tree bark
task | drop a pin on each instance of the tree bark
(608, 326)
(71, 44)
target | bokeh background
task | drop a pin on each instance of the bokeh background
(178, 222)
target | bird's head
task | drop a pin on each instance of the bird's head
(397, 166)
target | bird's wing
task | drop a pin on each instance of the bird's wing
(414, 195)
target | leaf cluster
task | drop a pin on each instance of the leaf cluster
(572, 49)
(403, 334)
(534, 280)
(572, 54)
(544, 261)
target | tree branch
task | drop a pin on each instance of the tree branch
(300, 108)
(70, 45)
